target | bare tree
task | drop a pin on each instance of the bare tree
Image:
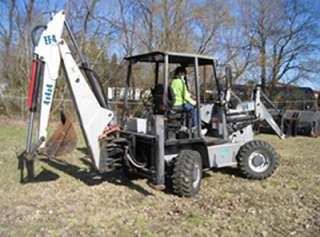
(127, 26)
(24, 21)
(283, 33)
(6, 34)
(148, 10)
(275, 40)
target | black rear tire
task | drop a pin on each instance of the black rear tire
(187, 173)
(257, 160)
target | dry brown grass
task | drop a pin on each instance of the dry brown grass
(67, 200)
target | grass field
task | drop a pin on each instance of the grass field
(66, 200)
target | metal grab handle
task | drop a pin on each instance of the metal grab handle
(34, 32)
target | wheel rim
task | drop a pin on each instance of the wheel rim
(258, 162)
(196, 176)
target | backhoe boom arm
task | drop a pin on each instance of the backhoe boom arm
(94, 116)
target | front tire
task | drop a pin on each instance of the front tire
(187, 173)
(257, 160)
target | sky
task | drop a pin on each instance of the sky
(58, 5)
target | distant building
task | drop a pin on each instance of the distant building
(118, 93)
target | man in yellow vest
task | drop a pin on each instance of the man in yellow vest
(182, 96)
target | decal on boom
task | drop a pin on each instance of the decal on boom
(49, 39)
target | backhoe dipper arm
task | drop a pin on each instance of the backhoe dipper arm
(47, 50)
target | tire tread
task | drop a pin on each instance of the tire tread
(247, 149)
(182, 173)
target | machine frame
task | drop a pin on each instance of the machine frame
(216, 151)
(152, 152)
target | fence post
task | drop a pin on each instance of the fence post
(22, 108)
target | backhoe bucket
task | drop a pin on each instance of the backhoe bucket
(63, 140)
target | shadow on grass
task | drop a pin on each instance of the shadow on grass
(45, 176)
(91, 178)
(83, 150)
(229, 171)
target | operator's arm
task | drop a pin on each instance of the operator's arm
(187, 96)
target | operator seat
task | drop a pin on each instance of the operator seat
(177, 116)
(160, 107)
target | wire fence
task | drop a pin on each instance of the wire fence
(15, 106)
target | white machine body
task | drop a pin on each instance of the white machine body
(53, 50)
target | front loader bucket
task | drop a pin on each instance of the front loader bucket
(63, 140)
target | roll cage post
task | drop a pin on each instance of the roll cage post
(166, 79)
(125, 109)
(197, 84)
(221, 98)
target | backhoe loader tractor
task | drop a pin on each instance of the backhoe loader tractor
(161, 146)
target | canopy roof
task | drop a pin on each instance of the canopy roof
(174, 58)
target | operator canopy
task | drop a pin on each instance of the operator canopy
(174, 58)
